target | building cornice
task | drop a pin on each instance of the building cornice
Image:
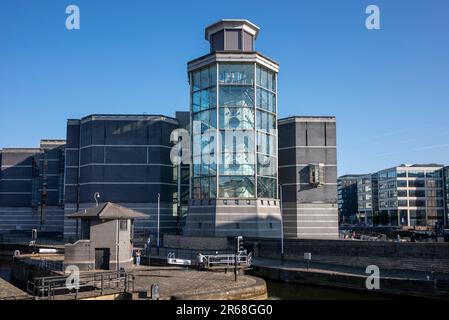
(234, 56)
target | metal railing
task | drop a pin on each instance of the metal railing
(180, 253)
(227, 261)
(95, 284)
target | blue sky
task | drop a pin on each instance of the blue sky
(388, 88)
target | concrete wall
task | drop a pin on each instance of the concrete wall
(309, 211)
(223, 218)
(103, 234)
(199, 243)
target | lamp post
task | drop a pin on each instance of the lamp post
(158, 220)
(282, 224)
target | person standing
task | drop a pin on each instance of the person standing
(200, 261)
(138, 254)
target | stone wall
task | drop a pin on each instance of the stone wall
(200, 243)
(389, 255)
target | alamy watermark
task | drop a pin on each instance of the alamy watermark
(372, 282)
(73, 21)
(372, 22)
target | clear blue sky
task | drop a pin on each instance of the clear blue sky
(389, 89)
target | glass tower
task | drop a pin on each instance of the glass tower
(233, 130)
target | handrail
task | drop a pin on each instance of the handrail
(49, 287)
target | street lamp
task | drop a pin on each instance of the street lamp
(282, 224)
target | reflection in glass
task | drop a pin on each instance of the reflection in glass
(237, 187)
(236, 96)
(238, 73)
(236, 118)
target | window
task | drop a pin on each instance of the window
(417, 193)
(402, 183)
(123, 225)
(266, 187)
(238, 73)
(266, 121)
(402, 174)
(236, 118)
(236, 96)
(265, 79)
(416, 183)
(237, 187)
(266, 100)
(316, 174)
(416, 174)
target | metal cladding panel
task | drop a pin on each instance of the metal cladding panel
(217, 42)
(316, 155)
(125, 155)
(124, 174)
(323, 194)
(17, 173)
(248, 42)
(183, 118)
(301, 134)
(16, 186)
(124, 192)
(286, 135)
(315, 134)
(86, 137)
(287, 157)
(288, 175)
(71, 158)
(18, 158)
(15, 200)
(158, 155)
(71, 194)
(52, 166)
(233, 40)
(53, 153)
(73, 132)
(71, 175)
(331, 134)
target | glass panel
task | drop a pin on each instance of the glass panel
(196, 80)
(391, 174)
(231, 168)
(213, 75)
(205, 78)
(203, 144)
(266, 166)
(266, 187)
(237, 187)
(236, 118)
(236, 96)
(266, 78)
(196, 101)
(266, 100)
(266, 143)
(265, 121)
(204, 120)
(416, 183)
(402, 174)
(237, 74)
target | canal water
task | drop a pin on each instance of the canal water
(293, 291)
(5, 268)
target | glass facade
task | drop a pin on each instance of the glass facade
(411, 196)
(234, 136)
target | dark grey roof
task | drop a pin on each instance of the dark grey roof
(109, 211)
